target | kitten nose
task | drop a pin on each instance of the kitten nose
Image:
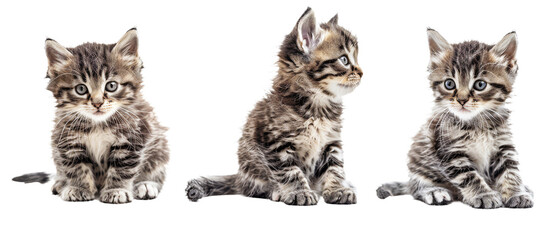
(97, 105)
(358, 71)
(462, 101)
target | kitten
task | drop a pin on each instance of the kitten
(290, 148)
(465, 150)
(106, 141)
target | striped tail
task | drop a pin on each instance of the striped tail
(392, 189)
(39, 177)
(211, 186)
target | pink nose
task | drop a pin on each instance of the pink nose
(462, 101)
(97, 105)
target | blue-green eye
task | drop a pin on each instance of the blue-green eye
(111, 86)
(81, 89)
(479, 85)
(344, 60)
(449, 84)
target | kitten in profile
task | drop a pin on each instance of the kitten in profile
(106, 142)
(290, 149)
(465, 151)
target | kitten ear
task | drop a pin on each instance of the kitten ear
(126, 49)
(506, 47)
(308, 34)
(437, 44)
(128, 44)
(58, 57)
(334, 20)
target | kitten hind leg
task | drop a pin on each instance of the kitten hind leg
(58, 185)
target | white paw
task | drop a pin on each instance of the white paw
(436, 196)
(146, 190)
(340, 196)
(76, 194)
(115, 196)
(300, 197)
(487, 200)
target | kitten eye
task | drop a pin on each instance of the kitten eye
(111, 86)
(480, 85)
(81, 89)
(449, 84)
(344, 60)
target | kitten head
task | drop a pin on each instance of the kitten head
(95, 80)
(471, 79)
(326, 54)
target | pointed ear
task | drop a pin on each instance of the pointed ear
(437, 44)
(58, 57)
(506, 47)
(128, 44)
(308, 33)
(334, 20)
(126, 50)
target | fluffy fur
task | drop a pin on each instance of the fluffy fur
(290, 149)
(465, 151)
(106, 142)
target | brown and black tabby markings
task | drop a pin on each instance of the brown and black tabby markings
(290, 149)
(465, 151)
(106, 142)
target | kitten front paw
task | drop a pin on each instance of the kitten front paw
(300, 198)
(436, 196)
(486, 201)
(522, 200)
(75, 194)
(146, 190)
(115, 196)
(340, 196)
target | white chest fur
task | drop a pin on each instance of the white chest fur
(316, 134)
(480, 149)
(98, 143)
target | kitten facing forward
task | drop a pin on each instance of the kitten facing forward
(106, 142)
(465, 151)
(290, 149)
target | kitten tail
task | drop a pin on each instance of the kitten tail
(211, 186)
(392, 189)
(39, 177)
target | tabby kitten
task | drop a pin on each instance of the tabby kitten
(290, 149)
(465, 151)
(106, 141)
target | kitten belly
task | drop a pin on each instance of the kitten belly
(310, 143)
(98, 143)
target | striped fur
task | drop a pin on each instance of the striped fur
(106, 144)
(465, 150)
(290, 149)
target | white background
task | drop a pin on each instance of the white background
(207, 64)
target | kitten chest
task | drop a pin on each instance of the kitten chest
(98, 144)
(480, 149)
(316, 134)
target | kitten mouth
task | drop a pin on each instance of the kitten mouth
(350, 81)
(464, 110)
(98, 113)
